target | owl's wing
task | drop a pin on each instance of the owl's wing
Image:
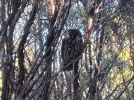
(63, 49)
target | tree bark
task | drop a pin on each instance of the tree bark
(21, 48)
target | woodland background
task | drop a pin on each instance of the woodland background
(31, 32)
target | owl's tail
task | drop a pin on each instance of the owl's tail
(68, 67)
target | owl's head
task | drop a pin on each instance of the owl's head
(73, 33)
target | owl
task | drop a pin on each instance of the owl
(71, 50)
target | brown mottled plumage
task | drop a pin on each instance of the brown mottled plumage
(72, 47)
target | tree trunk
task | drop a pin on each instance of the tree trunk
(76, 95)
(4, 65)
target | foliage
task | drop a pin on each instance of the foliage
(31, 32)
